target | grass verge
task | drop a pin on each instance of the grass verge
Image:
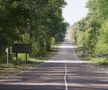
(92, 60)
(99, 61)
(78, 52)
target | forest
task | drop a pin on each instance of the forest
(39, 22)
(91, 32)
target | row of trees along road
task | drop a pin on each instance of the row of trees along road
(36, 21)
(91, 33)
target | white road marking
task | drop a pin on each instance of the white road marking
(32, 84)
(68, 61)
(65, 78)
(66, 46)
(86, 85)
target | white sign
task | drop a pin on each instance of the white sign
(6, 50)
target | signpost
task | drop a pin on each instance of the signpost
(7, 52)
(21, 48)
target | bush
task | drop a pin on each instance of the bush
(3, 58)
(102, 45)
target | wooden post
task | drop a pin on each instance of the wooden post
(26, 57)
(16, 58)
(7, 55)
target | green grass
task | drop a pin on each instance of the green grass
(99, 61)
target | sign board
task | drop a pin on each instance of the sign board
(21, 48)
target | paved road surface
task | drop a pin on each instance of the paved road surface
(63, 72)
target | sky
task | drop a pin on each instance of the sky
(74, 10)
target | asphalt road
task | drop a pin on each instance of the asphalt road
(63, 72)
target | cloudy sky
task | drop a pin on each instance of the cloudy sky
(75, 10)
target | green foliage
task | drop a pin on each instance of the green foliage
(31, 21)
(3, 58)
(26, 38)
(12, 20)
(22, 57)
(102, 45)
(91, 32)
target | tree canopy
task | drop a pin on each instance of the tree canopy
(31, 21)
(91, 31)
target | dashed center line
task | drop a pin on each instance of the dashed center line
(65, 78)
